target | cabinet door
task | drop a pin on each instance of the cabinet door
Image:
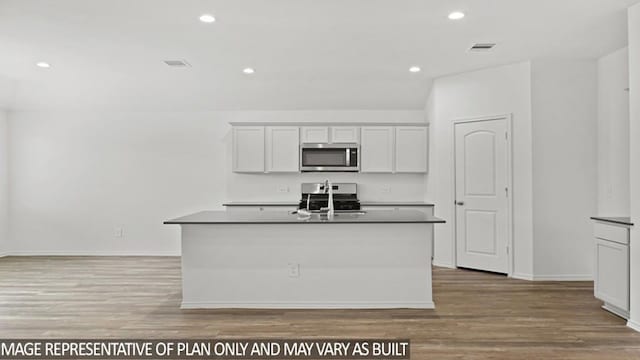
(345, 134)
(411, 149)
(611, 283)
(377, 148)
(315, 134)
(283, 149)
(248, 149)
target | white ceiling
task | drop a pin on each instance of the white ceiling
(308, 54)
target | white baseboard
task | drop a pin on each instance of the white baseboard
(4, 254)
(442, 264)
(522, 276)
(93, 253)
(307, 305)
(634, 325)
(583, 277)
(530, 277)
(616, 310)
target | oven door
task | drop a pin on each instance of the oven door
(329, 157)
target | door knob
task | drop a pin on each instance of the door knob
(459, 203)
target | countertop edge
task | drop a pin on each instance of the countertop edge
(611, 220)
(363, 203)
(306, 222)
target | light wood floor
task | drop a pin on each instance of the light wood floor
(478, 315)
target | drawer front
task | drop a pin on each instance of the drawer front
(618, 234)
(611, 282)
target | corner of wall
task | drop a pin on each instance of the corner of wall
(634, 160)
(4, 184)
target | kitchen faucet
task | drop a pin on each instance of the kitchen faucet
(328, 189)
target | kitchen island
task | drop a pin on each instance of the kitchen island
(374, 259)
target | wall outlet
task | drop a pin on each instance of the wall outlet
(118, 232)
(283, 189)
(294, 270)
(386, 189)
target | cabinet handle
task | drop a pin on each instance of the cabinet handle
(460, 203)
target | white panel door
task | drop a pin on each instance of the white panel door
(345, 134)
(411, 149)
(248, 149)
(481, 195)
(376, 149)
(314, 134)
(283, 149)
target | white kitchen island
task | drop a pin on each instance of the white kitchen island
(379, 259)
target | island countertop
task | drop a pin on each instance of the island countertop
(285, 217)
(295, 203)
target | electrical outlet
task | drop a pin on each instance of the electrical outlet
(386, 189)
(283, 189)
(294, 270)
(118, 232)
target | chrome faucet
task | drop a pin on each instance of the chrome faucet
(328, 189)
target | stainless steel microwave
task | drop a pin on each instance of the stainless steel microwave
(329, 157)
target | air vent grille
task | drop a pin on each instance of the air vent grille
(177, 63)
(482, 47)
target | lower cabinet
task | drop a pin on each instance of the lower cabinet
(611, 278)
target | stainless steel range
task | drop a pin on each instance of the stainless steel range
(316, 197)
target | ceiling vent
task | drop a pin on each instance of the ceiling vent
(177, 63)
(482, 47)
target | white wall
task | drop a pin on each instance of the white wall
(554, 119)
(4, 185)
(613, 134)
(495, 91)
(79, 175)
(564, 112)
(634, 133)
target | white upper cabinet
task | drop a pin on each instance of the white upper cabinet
(314, 134)
(283, 149)
(376, 149)
(248, 149)
(383, 148)
(411, 149)
(345, 134)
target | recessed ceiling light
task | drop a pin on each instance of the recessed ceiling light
(207, 18)
(248, 71)
(415, 69)
(456, 15)
(43, 64)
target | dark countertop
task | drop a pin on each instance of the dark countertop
(395, 203)
(295, 203)
(622, 220)
(263, 203)
(284, 217)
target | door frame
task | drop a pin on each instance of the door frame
(508, 119)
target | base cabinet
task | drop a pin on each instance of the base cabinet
(611, 278)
